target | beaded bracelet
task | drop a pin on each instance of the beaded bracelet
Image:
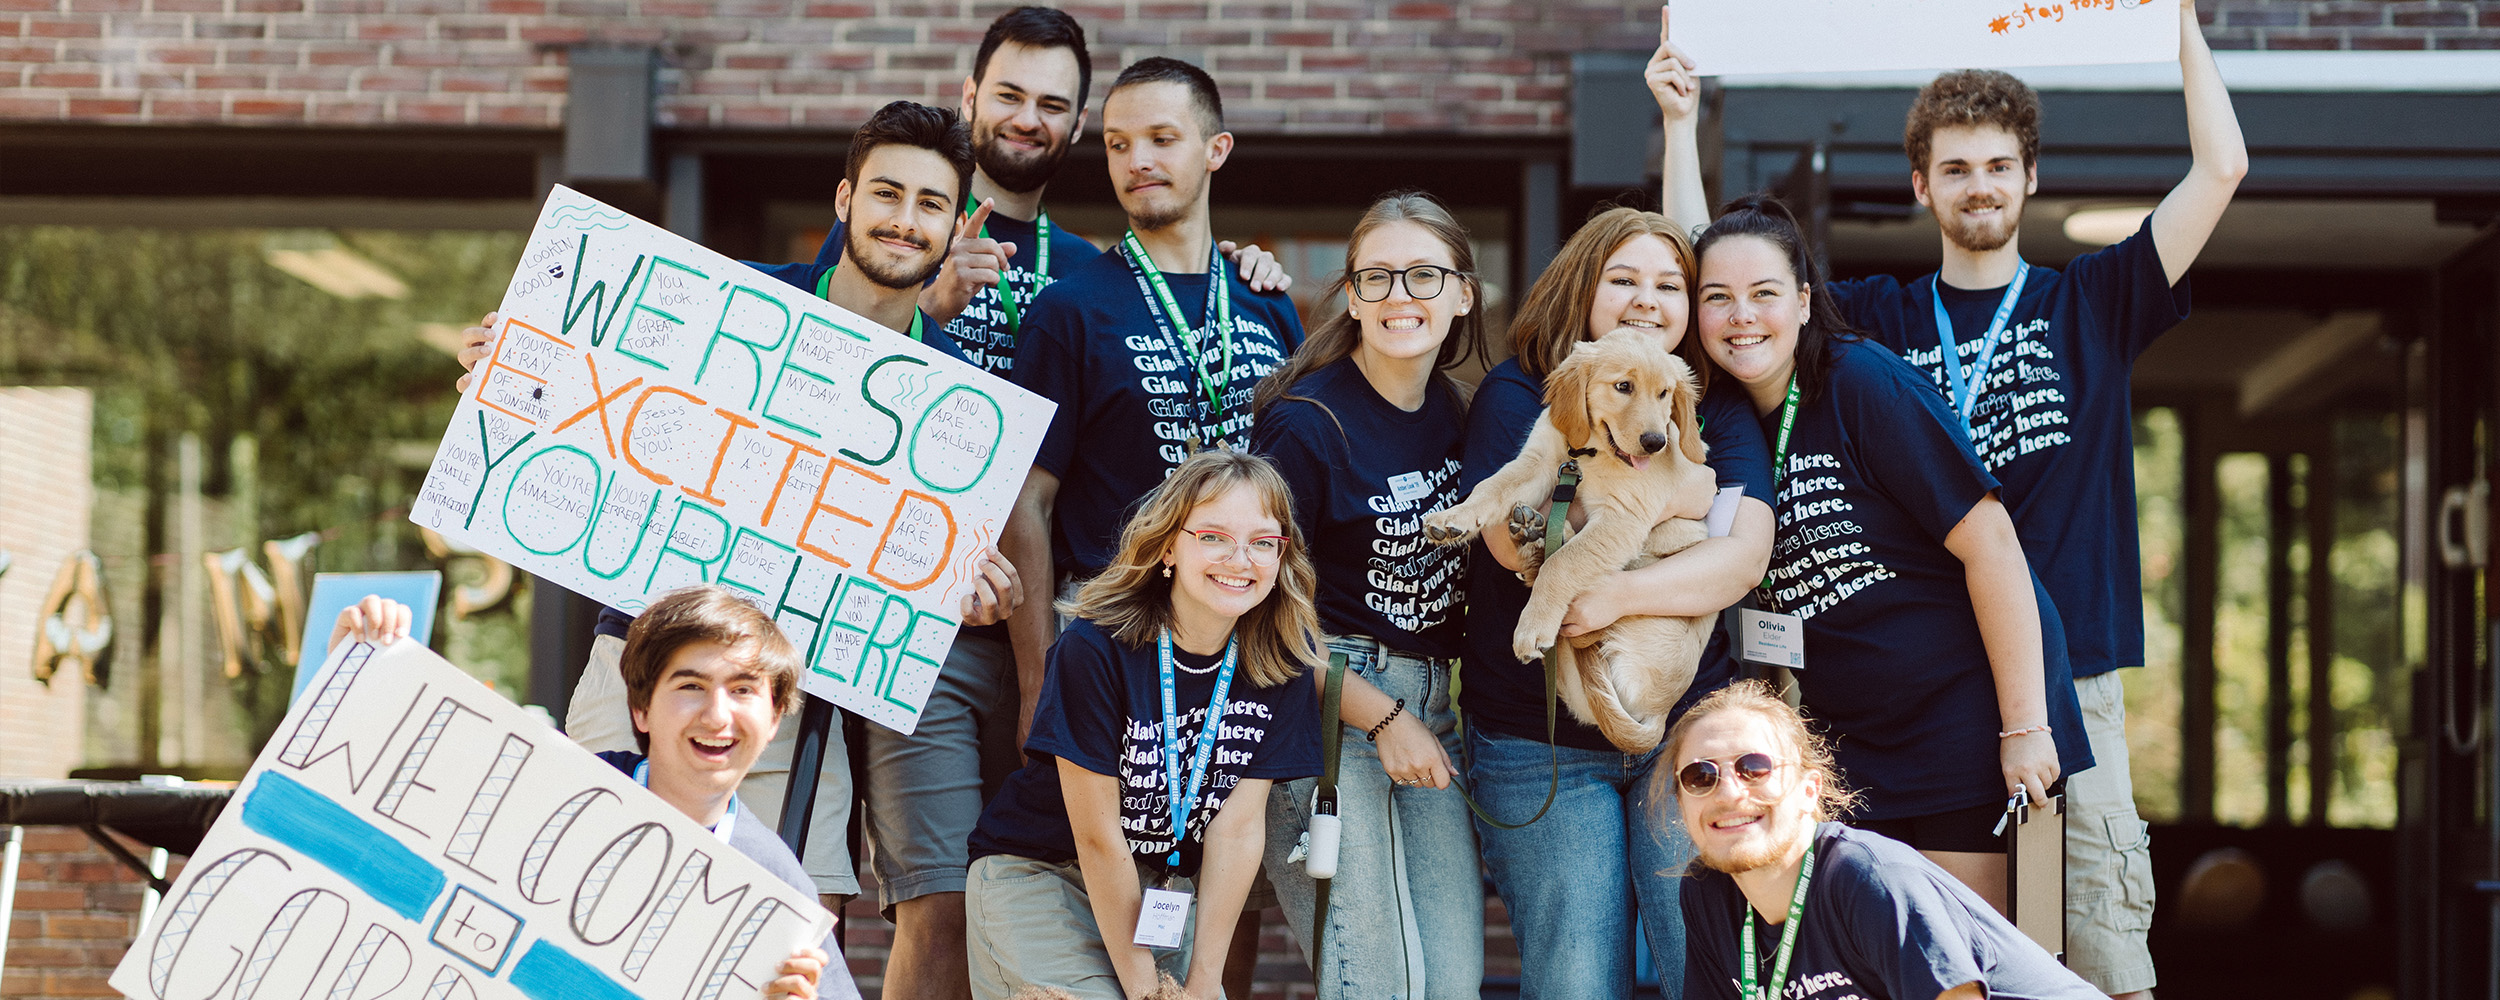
(1374, 735)
(2026, 730)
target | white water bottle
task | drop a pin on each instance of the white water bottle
(1322, 862)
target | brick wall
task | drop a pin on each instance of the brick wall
(2351, 24)
(45, 494)
(1325, 66)
(77, 910)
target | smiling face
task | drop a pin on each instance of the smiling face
(900, 215)
(1402, 326)
(1024, 114)
(1641, 288)
(1160, 155)
(1976, 183)
(1740, 826)
(709, 718)
(1751, 310)
(1215, 584)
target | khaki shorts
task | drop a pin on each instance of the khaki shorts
(598, 720)
(1029, 923)
(926, 790)
(2109, 867)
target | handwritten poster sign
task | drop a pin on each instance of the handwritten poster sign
(1829, 36)
(409, 833)
(656, 415)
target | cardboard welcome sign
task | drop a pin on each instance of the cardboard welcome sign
(656, 415)
(409, 833)
(1839, 36)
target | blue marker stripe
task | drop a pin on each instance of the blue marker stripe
(286, 811)
(547, 972)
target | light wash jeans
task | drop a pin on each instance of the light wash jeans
(1574, 879)
(1406, 912)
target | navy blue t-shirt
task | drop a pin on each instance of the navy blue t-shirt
(1881, 922)
(1878, 475)
(2055, 421)
(1126, 408)
(1361, 508)
(1499, 692)
(1101, 709)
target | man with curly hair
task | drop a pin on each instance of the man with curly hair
(2037, 362)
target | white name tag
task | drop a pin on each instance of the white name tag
(1407, 487)
(1771, 638)
(1161, 917)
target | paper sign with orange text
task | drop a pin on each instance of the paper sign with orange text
(1838, 36)
(408, 833)
(656, 415)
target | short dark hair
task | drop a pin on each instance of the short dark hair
(907, 123)
(1973, 98)
(1164, 69)
(707, 613)
(1041, 28)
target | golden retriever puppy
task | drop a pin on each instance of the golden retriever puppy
(1626, 411)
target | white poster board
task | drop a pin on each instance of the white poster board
(656, 415)
(1731, 37)
(409, 833)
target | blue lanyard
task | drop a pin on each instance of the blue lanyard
(1185, 798)
(1965, 387)
(728, 819)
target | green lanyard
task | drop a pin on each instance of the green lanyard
(1752, 990)
(1041, 270)
(1779, 469)
(1176, 326)
(824, 288)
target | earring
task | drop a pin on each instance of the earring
(1167, 572)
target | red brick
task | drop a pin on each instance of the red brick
(65, 79)
(2287, 41)
(158, 81)
(495, 32)
(44, 956)
(2364, 18)
(751, 115)
(756, 62)
(324, 82)
(71, 925)
(394, 30)
(78, 985)
(518, 114)
(35, 6)
(2390, 43)
(262, 56)
(1301, 91)
(1423, 11)
(800, 85)
(923, 9)
(107, 6)
(44, 27)
(1250, 64)
(1172, 11)
(48, 899)
(1335, 62)
(439, 112)
(268, 108)
(343, 55)
(843, 10)
(554, 34)
(229, 81)
(334, 112)
(185, 56)
(846, 61)
(188, 109)
(1310, 39)
(473, 83)
(1446, 91)
(393, 81)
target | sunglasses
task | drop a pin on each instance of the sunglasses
(1701, 777)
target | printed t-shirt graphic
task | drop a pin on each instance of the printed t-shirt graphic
(1101, 709)
(1877, 477)
(1507, 696)
(1127, 409)
(980, 333)
(2054, 420)
(1364, 474)
(1879, 921)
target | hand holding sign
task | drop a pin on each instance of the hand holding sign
(1670, 76)
(1836, 36)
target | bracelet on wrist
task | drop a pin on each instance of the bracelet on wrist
(1374, 735)
(2026, 730)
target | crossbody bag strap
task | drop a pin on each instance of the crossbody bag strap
(1331, 739)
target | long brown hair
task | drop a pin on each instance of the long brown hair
(1132, 599)
(1555, 313)
(1340, 334)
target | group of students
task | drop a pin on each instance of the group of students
(1225, 517)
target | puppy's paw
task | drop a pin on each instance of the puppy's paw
(1452, 526)
(1533, 637)
(1527, 527)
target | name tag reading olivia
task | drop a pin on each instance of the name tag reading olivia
(1771, 638)
(1161, 917)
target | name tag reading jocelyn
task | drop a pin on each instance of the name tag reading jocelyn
(1161, 917)
(1771, 638)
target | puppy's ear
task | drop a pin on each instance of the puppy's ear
(1686, 406)
(1567, 396)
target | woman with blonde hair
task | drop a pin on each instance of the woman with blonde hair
(1595, 857)
(1084, 864)
(1368, 428)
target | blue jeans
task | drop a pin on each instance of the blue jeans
(1573, 879)
(1406, 910)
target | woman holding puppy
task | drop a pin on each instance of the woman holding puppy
(1931, 652)
(1184, 667)
(1574, 879)
(1368, 429)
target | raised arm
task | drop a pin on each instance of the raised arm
(2002, 598)
(1678, 91)
(1102, 854)
(2187, 216)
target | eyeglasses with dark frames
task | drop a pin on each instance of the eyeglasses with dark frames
(1423, 281)
(1701, 777)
